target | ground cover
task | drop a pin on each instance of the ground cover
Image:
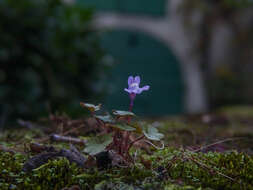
(209, 151)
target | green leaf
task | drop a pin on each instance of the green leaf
(90, 107)
(123, 113)
(105, 118)
(137, 126)
(98, 144)
(152, 133)
(124, 127)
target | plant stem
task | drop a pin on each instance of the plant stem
(132, 97)
(126, 139)
(127, 134)
(132, 143)
(131, 104)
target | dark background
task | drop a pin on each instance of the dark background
(51, 59)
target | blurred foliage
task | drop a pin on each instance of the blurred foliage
(226, 87)
(237, 3)
(49, 56)
(238, 111)
(233, 84)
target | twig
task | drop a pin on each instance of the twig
(208, 168)
(27, 124)
(72, 130)
(10, 150)
(132, 143)
(59, 138)
(172, 161)
(186, 157)
(64, 134)
(159, 148)
(38, 148)
(42, 140)
(101, 124)
(219, 142)
(72, 154)
(5, 149)
(126, 140)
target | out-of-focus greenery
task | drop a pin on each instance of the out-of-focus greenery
(231, 82)
(237, 3)
(226, 87)
(49, 57)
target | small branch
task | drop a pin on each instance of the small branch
(5, 149)
(125, 140)
(42, 140)
(101, 124)
(159, 148)
(172, 161)
(132, 143)
(27, 124)
(59, 138)
(64, 134)
(72, 154)
(72, 130)
(206, 167)
(210, 169)
(38, 148)
(219, 142)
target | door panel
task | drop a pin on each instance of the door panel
(139, 54)
(148, 7)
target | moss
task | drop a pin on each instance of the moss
(181, 175)
(206, 170)
(57, 173)
(238, 111)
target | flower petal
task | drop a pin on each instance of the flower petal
(127, 90)
(137, 79)
(138, 91)
(145, 87)
(130, 80)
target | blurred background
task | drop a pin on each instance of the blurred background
(196, 55)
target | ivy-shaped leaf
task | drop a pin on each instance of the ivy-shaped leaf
(105, 118)
(123, 113)
(123, 127)
(137, 126)
(152, 133)
(98, 144)
(90, 107)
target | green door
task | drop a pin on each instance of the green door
(140, 54)
(147, 7)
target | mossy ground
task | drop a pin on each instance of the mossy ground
(173, 168)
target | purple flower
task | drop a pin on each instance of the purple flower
(133, 85)
(133, 89)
